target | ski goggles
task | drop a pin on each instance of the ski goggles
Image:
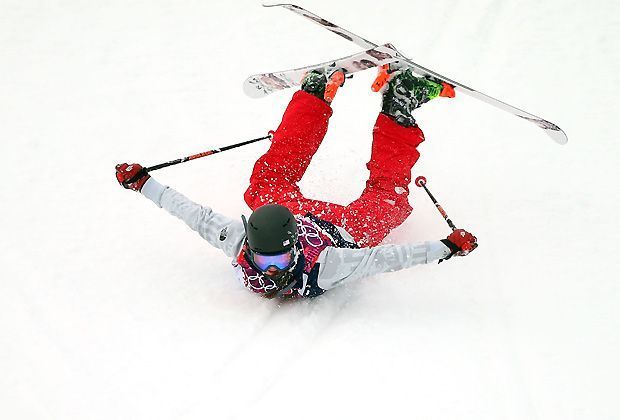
(280, 261)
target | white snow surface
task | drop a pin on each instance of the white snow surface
(112, 309)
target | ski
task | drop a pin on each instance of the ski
(552, 130)
(260, 85)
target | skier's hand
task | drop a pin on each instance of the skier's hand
(131, 176)
(460, 242)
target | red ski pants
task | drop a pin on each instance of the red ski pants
(383, 204)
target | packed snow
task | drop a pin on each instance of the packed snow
(112, 309)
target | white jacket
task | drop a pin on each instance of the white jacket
(337, 265)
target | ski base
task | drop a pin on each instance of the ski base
(261, 85)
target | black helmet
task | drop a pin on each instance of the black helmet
(271, 229)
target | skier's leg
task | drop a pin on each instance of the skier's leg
(384, 204)
(276, 173)
(303, 127)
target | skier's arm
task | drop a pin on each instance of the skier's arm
(220, 231)
(338, 265)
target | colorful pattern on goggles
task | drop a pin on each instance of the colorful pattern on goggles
(280, 261)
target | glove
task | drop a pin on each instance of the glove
(447, 91)
(131, 177)
(460, 243)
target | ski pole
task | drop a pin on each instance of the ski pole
(196, 156)
(421, 182)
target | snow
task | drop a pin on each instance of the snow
(111, 309)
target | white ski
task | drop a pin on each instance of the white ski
(260, 85)
(550, 128)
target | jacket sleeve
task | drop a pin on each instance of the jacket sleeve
(338, 265)
(220, 231)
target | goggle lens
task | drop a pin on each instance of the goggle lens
(280, 261)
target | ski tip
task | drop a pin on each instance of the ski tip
(558, 135)
(253, 89)
(289, 6)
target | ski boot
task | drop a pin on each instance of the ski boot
(318, 84)
(403, 92)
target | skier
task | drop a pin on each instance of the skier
(292, 246)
